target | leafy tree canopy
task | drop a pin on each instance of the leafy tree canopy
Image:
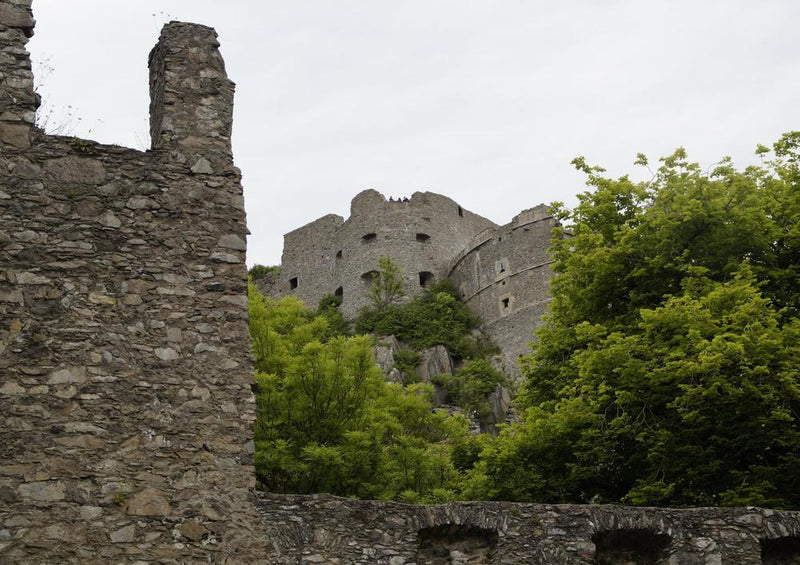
(668, 370)
(327, 421)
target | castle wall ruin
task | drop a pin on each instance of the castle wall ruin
(327, 529)
(336, 256)
(504, 276)
(502, 272)
(125, 362)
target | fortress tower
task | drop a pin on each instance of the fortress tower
(502, 271)
(336, 256)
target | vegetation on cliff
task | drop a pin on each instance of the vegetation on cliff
(328, 422)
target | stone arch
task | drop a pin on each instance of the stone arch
(456, 544)
(780, 551)
(638, 545)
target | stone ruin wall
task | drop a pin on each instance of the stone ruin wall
(125, 370)
(332, 255)
(125, 363)
(504, 276)
(325, 529)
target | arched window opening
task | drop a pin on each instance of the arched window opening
(780, 551)
(423, 237)
(339, 254)
(425, 278)
(369, 237)
(292, 283)
(339, 294)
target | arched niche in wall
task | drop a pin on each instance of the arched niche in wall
(339, 294)
(426, 278)
(780, 551)
(621, 547)
(368, 277)
(369, 237)
(438, 545)
(423, 237)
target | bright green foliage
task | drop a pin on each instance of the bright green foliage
(669, 370)
(327, 421)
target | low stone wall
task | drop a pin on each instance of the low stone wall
(327, 529)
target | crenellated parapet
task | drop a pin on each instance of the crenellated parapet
(336, 256)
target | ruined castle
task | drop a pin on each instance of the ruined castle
(125, 367)
(502, 272)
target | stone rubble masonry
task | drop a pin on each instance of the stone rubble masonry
(503, 272)
(331, 530)
(125, 366)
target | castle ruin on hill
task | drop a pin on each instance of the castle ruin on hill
(502, 272)
(126, 408)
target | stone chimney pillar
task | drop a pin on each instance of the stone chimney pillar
(17, 99)
(191, 99)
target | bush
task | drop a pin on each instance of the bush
(258, 272)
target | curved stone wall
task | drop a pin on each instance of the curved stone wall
(504, 276)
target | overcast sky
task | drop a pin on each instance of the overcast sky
(484, 101)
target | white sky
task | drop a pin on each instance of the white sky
(484, 101)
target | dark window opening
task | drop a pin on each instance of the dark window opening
(425, 278)
(439, 544)
(618, 547)
(506, 302)
(460, 212)
(369, 237)
(339, 254)
(293, 283)
(339, 294)
(369, 276)
(502, 268)
(423, 237)
(780, 551)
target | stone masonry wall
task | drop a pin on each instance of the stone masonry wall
(125, 368)
(326, 529)
(504, 276)
(332, 255)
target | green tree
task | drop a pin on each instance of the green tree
(667, 371)
(387, 285)
(327, 421)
